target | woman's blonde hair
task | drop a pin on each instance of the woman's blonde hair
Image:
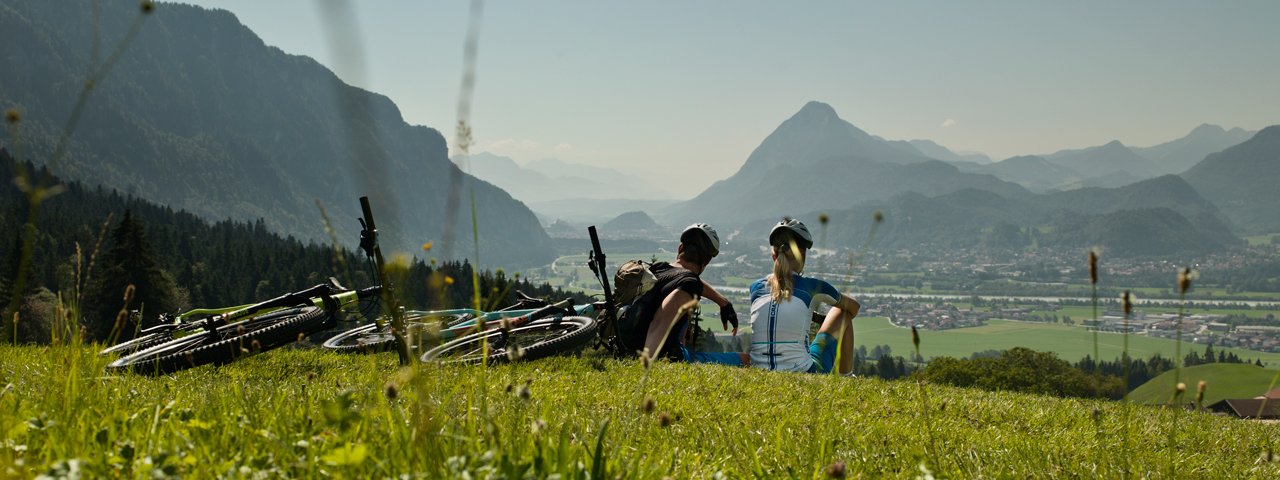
(787, 259)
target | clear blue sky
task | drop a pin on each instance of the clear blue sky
(685, 90)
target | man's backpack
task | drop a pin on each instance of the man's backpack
(631, 283)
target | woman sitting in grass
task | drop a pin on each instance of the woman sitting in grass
(783, 305)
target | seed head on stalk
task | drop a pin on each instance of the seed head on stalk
(1093, 267)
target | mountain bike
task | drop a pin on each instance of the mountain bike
(425, 328)
(522, 335)
(221, 335)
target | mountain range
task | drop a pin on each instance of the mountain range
(556, 189)
(1118, 197)
(199, 114)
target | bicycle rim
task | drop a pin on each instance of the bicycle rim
(542, 338)
(372, 338)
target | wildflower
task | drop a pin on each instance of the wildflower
(836, 469)
(426, 247)
(538, 426)
(255, 346)
(1184, 280)
(448, 280)
(646, 406)
(1181, 388)
(523, 392)
(1200, 391)
(1127, 301)
(915, 337)
(664, 419)
(12, 115)
(515, 353)
(510, 388)
(392, 391)
(879, 217)
(148, 6)
(823, 218)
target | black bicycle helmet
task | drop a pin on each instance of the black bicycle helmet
(796, 229)
(707, 231)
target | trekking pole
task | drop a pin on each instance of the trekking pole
(369, 242)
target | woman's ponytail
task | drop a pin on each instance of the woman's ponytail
(785, 264)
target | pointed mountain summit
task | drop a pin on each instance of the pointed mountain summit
(1241, 181)
(1178, 155)
(814, 134)
(815, 160)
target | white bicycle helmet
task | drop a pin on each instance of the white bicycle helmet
(778, 237)
(706, 230)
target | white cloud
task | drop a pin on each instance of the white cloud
(563, 147)
(948, 123)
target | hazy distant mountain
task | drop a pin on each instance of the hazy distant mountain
(633, 224)
(200, 115)
(1109, 159)
(933, 150)
(551, 179)
(1112, 180)
(1030, 171)
(584, 211)
(616, 183)
(1161, 217)
(1177, 156)
(815, 160)
(813, 135)
(1244, 182)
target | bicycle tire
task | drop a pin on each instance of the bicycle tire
(372, 338)
(142, 342)
(538, 339)
(228, 342)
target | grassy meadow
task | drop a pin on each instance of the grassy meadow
(1070, 343)
(308, 413)
(1223, 380)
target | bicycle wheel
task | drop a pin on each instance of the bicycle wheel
(228, 342)
(140, 342)
(372, 339)
(538, 339)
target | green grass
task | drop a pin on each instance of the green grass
(1070, 343)
(1223, 380)
(307, 413)
(1265, 239)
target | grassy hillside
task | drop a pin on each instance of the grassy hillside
(1070, 343)
(306, 413)
(1223, 380)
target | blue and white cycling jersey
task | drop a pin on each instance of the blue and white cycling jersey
(780, 331)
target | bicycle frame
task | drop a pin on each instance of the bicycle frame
(322, 295)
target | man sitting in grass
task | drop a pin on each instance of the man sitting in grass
(664, 311)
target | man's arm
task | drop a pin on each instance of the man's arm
(664, 319)
(711, 294)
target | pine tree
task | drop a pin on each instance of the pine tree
(128, 261)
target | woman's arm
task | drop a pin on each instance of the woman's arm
(848, 305)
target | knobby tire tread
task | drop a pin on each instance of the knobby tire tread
(179, 354)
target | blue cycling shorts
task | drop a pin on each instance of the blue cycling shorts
(823, 352)
(722, 358)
